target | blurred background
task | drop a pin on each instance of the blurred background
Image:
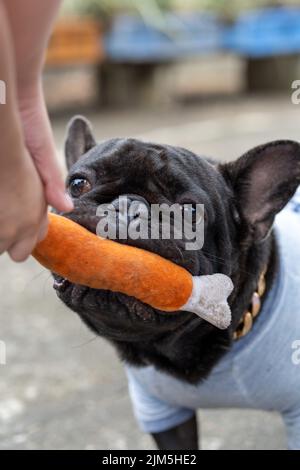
(215, 76)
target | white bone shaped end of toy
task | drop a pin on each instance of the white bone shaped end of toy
(208, 299)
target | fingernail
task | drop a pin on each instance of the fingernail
(69, 202)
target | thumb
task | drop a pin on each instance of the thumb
(40, 144)
(55, 192)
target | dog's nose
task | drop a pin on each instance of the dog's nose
(122, 218)
(130, 207)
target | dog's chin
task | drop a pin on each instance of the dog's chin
(113, 314)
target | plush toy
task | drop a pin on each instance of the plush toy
(85, 258)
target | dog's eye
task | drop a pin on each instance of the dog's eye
(194, 213)
(79, 186)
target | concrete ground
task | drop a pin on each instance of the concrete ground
(63, 388)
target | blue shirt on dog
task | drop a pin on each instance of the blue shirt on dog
(261, 371)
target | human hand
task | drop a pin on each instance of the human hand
(29, 175)
(40, 144)
(23, 208)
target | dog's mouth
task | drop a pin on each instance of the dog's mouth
(105, 310)
(117, 316)
(78, 297)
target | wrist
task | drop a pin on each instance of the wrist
(29, 94)
(11, 132)
(17, 168)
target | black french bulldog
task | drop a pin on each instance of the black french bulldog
(241, 200)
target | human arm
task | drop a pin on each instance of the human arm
(30, 24)
(22, 204)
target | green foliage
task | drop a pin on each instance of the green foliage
(107, 8)
(110, 7)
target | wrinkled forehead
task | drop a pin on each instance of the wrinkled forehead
(141, 164)
(118, 155)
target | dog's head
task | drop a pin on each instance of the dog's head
(240, 199)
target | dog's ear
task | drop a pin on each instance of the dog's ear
(79, 139)
(263, 181)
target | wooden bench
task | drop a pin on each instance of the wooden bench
(75, 42)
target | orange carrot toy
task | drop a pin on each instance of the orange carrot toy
(85, 258)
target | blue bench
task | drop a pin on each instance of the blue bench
(259, 33)
(130, 40)
(264, 33)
